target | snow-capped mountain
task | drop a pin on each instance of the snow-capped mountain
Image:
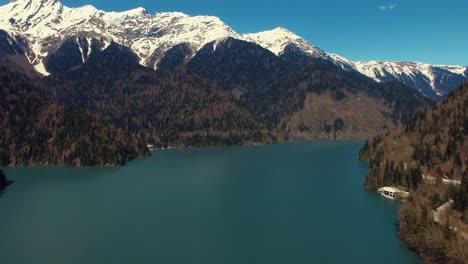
(45, 24)
(50, 32)
(432, 80)
(277, 39)
(283, 42)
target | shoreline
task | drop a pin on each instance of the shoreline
(152, 151)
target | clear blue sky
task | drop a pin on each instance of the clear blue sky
(412, 30)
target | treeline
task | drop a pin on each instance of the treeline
(37, 131)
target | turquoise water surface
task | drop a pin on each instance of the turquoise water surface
(300, 202)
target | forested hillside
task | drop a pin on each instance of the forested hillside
(314, 100)
(35, 130)
(173, 107)
(433, 142)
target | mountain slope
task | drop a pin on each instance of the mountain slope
(275, 90)
(252, 96)
(12, 54)
(433, 140)
(73, 52)
(38, 131)
(245, 69)
(173, 107)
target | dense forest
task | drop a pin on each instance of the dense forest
(38, 131)
(434, 139)
(173, 107)
(219, 100)
(432, 142)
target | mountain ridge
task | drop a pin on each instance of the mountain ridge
(46, 25)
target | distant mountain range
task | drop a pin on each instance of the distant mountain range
(48, 32)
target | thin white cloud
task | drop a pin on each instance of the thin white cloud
(387, 7)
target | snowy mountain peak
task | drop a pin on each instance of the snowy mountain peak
(140, 11)
(282, 30)
(45, 24)
(277, 39)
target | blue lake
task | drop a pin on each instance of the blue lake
(299, 202)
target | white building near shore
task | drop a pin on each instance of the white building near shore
(393, 193)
